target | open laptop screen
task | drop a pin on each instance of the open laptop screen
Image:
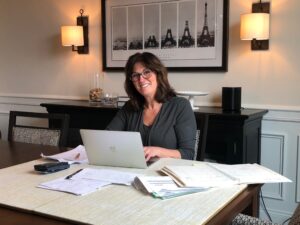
(114, 148)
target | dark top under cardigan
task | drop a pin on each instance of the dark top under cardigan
(174, 127)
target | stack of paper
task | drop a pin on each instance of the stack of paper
(76, 155)
(162, 187)
(251, 173)
(76, 187)
(111, 176)
(88, 180)
(220, 175)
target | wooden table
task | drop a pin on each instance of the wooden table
(245, 201)
(13, 153)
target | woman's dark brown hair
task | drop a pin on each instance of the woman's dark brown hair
(164, 90)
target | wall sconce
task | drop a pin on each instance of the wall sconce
(255, 26)
(77, 36)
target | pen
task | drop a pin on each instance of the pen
(77, 156)
(71, 175)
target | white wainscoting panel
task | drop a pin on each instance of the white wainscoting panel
(272, 153)
(298, 170)
(279, 147)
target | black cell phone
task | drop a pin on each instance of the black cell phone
(51, 167)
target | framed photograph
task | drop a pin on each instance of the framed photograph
(187, 35)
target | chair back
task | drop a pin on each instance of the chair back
(201, 134)
(295, 220)
(242, 219)
(54, 133)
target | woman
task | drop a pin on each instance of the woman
(166, 123)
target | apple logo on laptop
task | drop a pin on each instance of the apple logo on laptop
(112, 148)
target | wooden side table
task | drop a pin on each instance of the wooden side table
(232, 137)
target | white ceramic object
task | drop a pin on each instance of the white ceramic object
(191, 95)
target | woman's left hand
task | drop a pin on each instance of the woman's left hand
(158, 152)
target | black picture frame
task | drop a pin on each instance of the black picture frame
(199, 48)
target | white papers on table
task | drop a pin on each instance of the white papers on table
(162, 187)
(220, 175)
(201, 175)
(112, 176)
(88, 180)
(251, 173)
(77, 187)
(76, 155)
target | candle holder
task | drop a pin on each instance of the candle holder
(110, 99)
(96, 93)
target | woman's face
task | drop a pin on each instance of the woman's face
(144, 80)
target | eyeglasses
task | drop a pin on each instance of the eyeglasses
(145, 74)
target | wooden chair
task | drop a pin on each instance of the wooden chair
(54, 134)
(242, 219)
(200, 145)
(295, 220)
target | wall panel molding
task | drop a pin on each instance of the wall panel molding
(15, 98)
(283, 116)
(29, 103)
(10, 103)
(273, 144)
(298, 170)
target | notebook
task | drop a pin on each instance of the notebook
(114, 148)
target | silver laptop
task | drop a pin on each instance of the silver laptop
(114, 148)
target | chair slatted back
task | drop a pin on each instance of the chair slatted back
(201, 135)
(54, 134)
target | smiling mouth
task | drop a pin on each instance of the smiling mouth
(144, 85)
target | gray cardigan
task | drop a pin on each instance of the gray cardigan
(173, 128)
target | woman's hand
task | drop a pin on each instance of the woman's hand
(158, 152)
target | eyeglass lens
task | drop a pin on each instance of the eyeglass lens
(145, 74)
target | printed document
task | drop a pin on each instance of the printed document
(85, 181)
(220, 175)
(251, 173)
(201, 175)
(162, 187)
(77, 187)
(112, 176)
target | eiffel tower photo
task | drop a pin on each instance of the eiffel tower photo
(186, 40)
(151, 42)
(169, 41)
(205, 39)
(135, 44)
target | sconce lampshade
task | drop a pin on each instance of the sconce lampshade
(255, 26)
(72, 36)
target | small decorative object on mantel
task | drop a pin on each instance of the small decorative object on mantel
(110, 99)
(191, 95)
(96, 93)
